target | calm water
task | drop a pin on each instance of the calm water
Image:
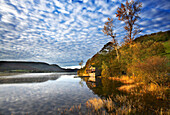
(42, 93)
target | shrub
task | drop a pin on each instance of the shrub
(152, 69)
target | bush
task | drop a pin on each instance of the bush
(152, 69)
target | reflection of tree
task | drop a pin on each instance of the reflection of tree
(109, 87)
(81, 82)
(104, 87)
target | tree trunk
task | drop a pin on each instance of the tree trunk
(115, 47)
(117, 52)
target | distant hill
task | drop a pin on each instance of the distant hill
(21, 66)
(158, 37)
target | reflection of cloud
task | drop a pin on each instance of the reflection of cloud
(55, 31)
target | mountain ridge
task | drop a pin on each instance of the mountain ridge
(24, 66)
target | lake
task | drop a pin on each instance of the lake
(49, 93)
(55, 93)
(42, 95)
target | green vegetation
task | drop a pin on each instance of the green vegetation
(7, 74)
(20, 71)
(158, 37)
(167, 52)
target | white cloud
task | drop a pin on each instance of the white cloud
(105, 19)
(7, 18)
(63, 11)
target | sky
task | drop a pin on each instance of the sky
(64, 32)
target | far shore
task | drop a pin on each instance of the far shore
(8, 73)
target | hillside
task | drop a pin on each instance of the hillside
(158, 37)
(19, 66)
(155, 44)
(163, 37)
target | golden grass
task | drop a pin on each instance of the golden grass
(109, 104)
(99, 104)
(127, 88)
(121, 105)
(131, 85)
(126, 80)
(95, 103)
(118, 105)
(159, 91)
(152, 87)
(123, 79)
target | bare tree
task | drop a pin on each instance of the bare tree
(108, 30)
(129, 14)
(81, 63)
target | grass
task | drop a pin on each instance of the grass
(124, 79)
(95, 103)
(167, 50)
(167, 46)
(130, 86)
(127, 88)
(129, 83)
(129, 105)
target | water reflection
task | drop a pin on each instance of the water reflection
(103, 87)
(27, 80)
(42, 93)
(43, 97)
(31, 77)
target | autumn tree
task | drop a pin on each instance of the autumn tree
(108, 30)
(105, 70)
(129, 13)
(81, 63)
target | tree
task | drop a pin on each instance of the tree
(108, 30)
(129, 14)
(81, 63)
(105, 70)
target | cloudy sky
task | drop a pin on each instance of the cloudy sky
(64, 32)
